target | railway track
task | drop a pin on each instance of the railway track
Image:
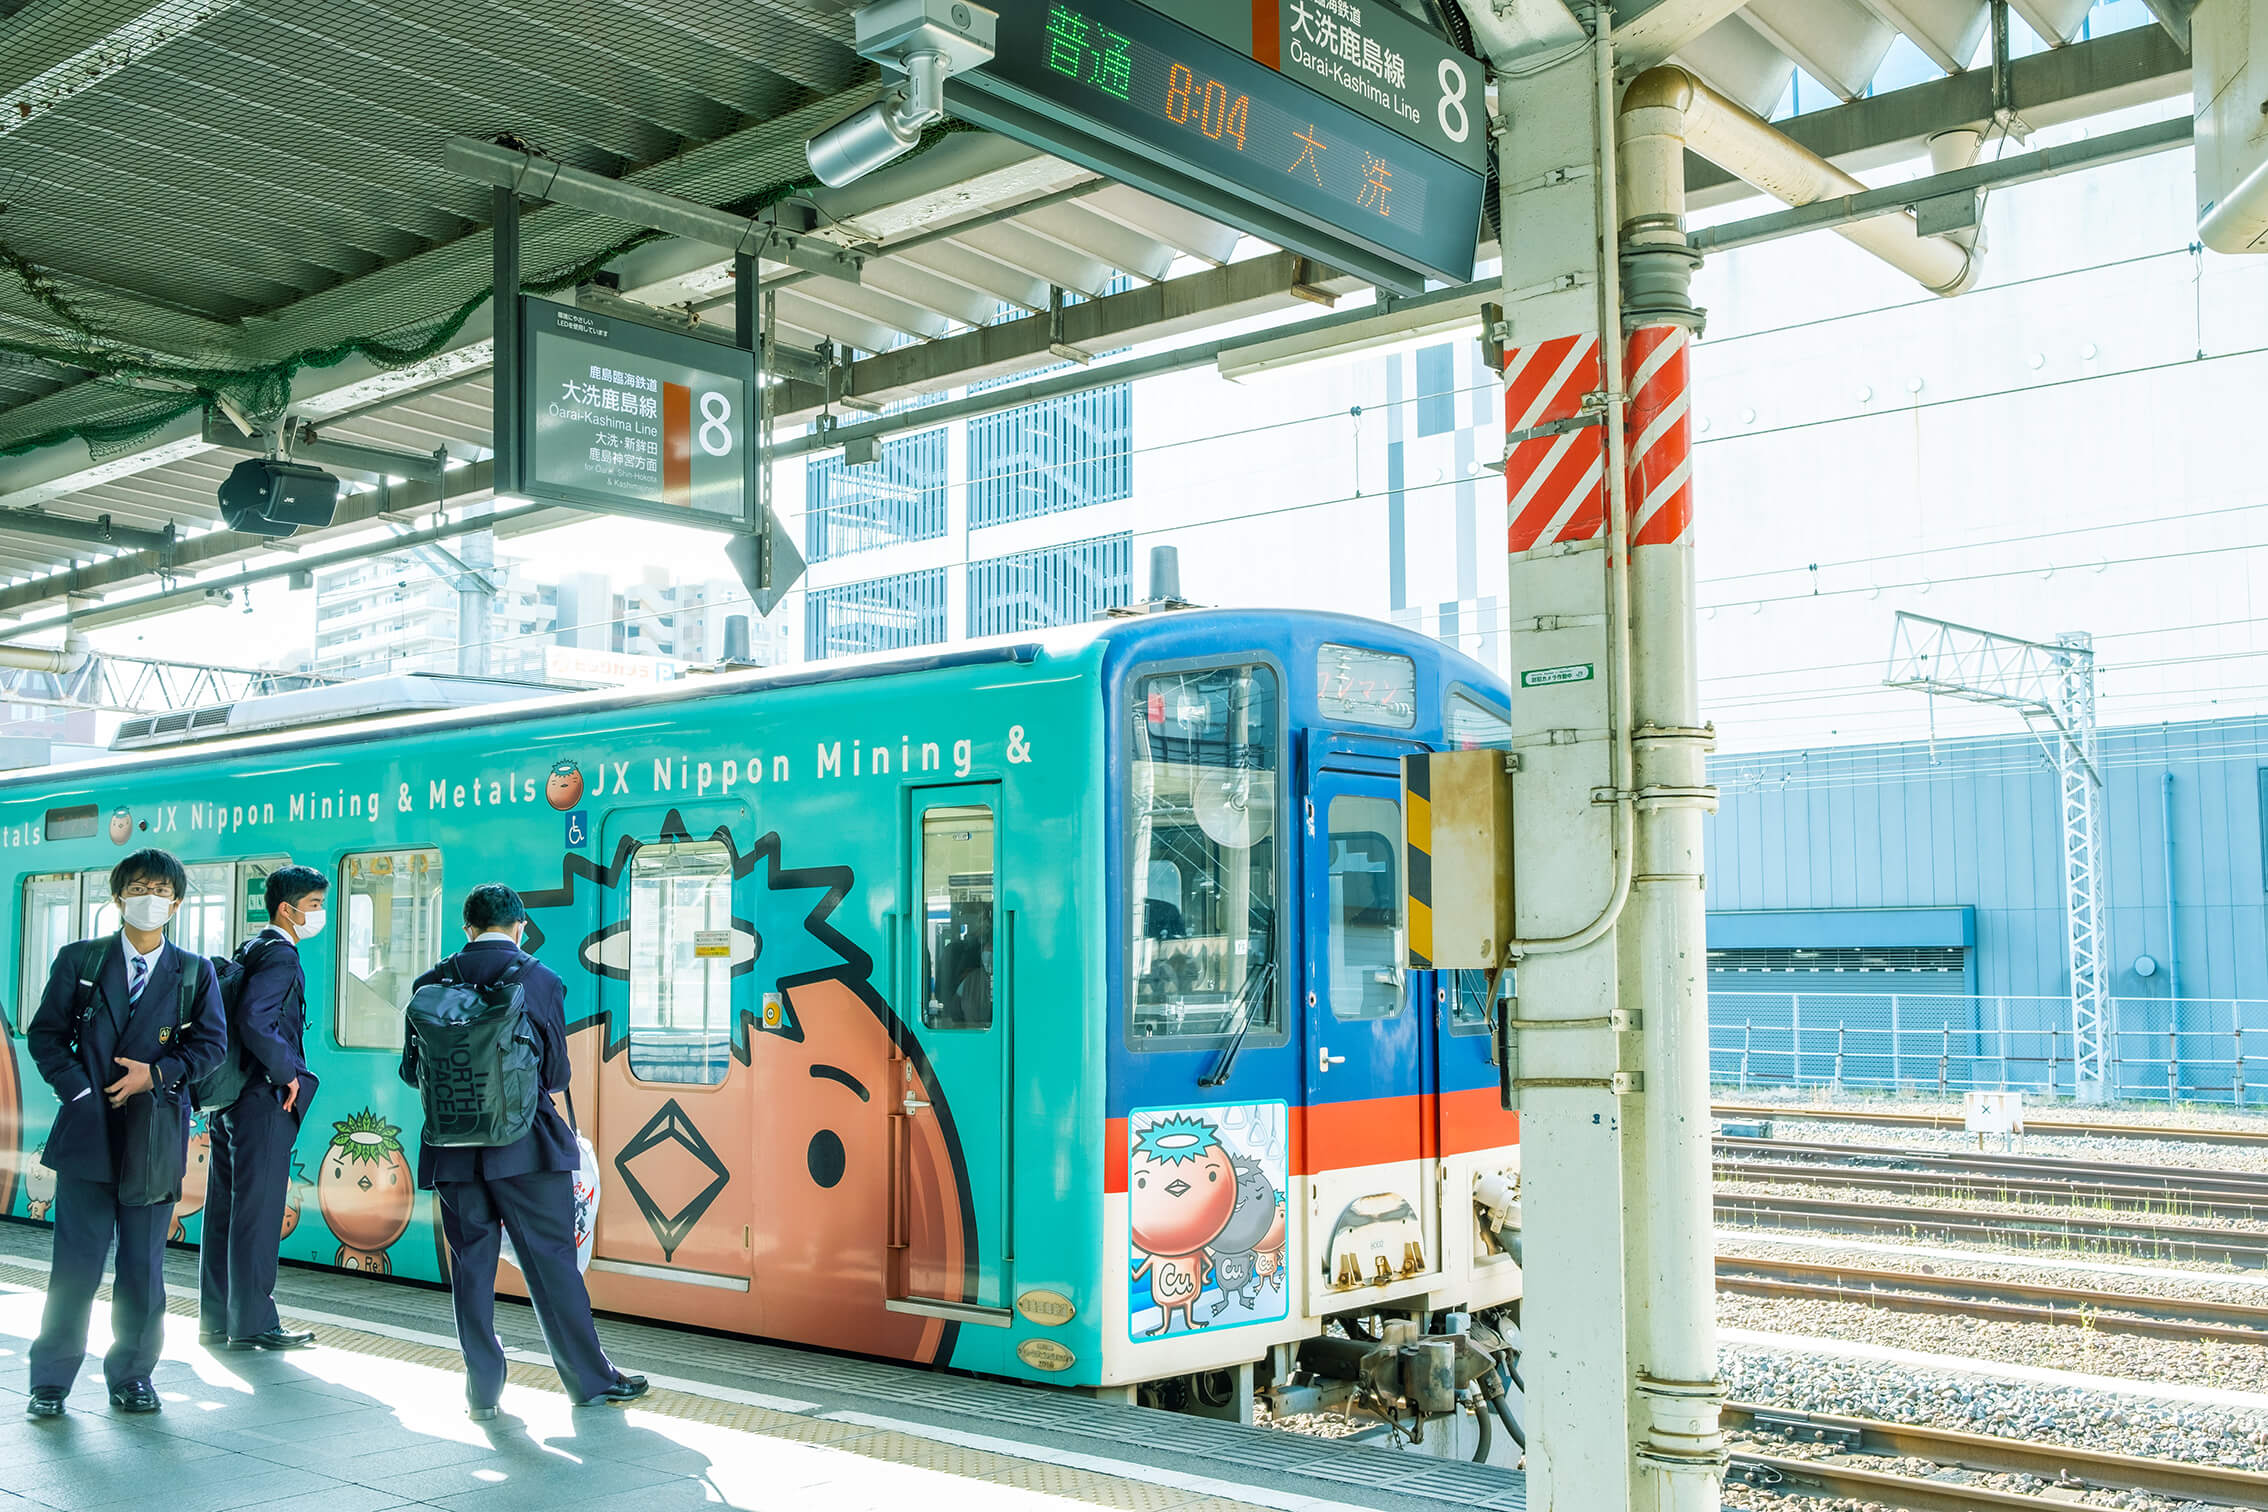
(2059, 1466)
(1908, 1157)
(1892, 1119)
(2123, 1235)
(2010, 1301)
(2206, 1196)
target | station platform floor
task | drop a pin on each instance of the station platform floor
(372, 1419)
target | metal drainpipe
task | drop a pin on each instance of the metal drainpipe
(1675, 106)
(2173, 923)
(70, 658)
(1662, 945)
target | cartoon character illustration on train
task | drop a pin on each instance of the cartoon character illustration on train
(1206, 1197)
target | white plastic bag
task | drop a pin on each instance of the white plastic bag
(586, 1210)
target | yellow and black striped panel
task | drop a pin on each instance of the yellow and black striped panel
(1417, 857)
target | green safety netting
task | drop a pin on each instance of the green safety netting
(395, 317)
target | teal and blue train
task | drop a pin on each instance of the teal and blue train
(1035, 1006)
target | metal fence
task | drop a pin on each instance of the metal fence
(2180, 1050)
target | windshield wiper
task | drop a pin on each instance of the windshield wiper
(1256, 989)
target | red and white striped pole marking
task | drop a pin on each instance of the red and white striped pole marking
(1659, 425)
(1554, 482)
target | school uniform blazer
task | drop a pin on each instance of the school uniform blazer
(89, 1135)
(270, 1022)
(549, 1145)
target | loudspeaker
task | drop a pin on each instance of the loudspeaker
(273, 498)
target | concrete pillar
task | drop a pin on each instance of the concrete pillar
(1576, 1137)
(1610, 1035)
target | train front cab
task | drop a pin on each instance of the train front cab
(1297, 1123)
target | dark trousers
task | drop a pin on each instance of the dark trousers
(88, 1218)
(538, 1210)
(244, 1205)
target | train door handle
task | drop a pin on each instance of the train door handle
(1325, 1060)
(914, 1105)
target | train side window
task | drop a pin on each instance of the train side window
(98, 915)
(1468, 999)
(203, 923)
(394, 926)
(1366, 907)
(1206, 811)
(50, 912)
(1473, 724)
(957, 919)
(681, 949)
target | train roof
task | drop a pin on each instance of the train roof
(361, 717)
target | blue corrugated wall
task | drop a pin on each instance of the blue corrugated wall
(1974, 823)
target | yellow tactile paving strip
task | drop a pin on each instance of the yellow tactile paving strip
(1070, 1482)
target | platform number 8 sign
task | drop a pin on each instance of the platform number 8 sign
(1456, 122)
(715, 433)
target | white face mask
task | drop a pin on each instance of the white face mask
(147, 912)
(311, 923)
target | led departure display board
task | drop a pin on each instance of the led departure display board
(632, 419)
(1122, 89)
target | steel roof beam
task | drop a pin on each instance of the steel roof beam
(1184, 230)
(2030, 167)
(542, 178)
(96, 532)
(2056, 21)
(1212, 297)
(1947, 31)
(2052, 87)
(2173, 15)
(1648, 36)
(55, 52)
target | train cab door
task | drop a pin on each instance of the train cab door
(674, 953)
(949, 1087)
(1373, 1220)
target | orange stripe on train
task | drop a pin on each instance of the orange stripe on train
(1344, 1135)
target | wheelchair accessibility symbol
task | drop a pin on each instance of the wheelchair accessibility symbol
(578, 829)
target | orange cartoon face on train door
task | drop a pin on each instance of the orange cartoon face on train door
(762, 1147)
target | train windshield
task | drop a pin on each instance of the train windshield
(1205, 811)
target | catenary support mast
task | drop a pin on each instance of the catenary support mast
(2051, 684)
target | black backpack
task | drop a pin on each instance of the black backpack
(478, 1069)
(218, 1089)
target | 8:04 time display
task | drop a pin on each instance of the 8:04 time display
(1209, 106)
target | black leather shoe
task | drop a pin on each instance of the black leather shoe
(46, 1401)
(274, 1338)
(626, 1389)
(135, 1396)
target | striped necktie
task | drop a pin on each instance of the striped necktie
(137, 977)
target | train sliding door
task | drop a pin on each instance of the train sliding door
(954, 989)
(1372, 1219)
(674, 955)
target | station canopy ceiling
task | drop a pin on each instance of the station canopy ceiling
(241, 205)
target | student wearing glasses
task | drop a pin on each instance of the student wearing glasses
(127, 1022)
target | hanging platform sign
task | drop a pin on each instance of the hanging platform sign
(1338, 129)
(627, 418)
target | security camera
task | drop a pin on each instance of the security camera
(927, 41)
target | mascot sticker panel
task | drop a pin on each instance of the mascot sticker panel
(1205, 1199)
